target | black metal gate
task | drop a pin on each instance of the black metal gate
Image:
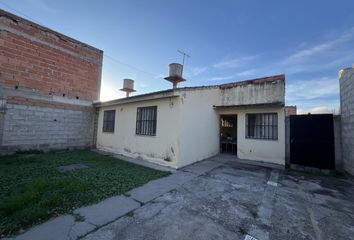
(312, 140)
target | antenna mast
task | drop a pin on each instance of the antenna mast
(185, 54)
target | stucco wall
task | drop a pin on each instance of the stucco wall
(162, 148)
(346, 80)
(266, 92)
(270, 151)
(199, 125)
(188, 125)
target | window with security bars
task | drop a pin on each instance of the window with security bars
(108, 120)
(146, 121)
(262, 126)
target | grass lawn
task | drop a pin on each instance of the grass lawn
(32, 190)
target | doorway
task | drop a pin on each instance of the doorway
(228, 134)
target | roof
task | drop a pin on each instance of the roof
(274, 78)
(138, 98)
(16, 18)
(173, 92)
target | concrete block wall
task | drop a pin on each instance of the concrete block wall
(346, 80)
(46, 128)
(49, 82)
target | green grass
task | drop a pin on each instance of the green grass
(32, 190)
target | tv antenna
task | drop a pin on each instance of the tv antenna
(184, 55)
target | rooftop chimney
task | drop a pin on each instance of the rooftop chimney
(128, 86)
(175, 74)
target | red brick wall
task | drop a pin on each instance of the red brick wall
(290, 110)
(35, 57)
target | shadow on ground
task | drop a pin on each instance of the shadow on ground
(234, 199)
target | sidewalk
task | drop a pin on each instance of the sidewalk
(90, 218)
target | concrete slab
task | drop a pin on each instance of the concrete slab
(56, 229)
(158, 187)
(80, 229)
(107, 210)
(202, 167)
(235, 200)
(138, 161)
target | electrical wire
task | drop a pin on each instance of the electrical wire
(104, 54)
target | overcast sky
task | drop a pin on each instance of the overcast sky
(230, 40)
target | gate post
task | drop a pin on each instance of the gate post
(287, 141)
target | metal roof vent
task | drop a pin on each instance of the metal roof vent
(175, 74)
(128, 86)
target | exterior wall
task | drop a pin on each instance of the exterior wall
(40, 59)
(346, 80)
(162, 148)
(49, 82)
(270, 151)
(32, 127)
(260, 93)
(199, 125)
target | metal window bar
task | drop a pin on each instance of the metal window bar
(108, 120)
(262, 126)
(146, 121)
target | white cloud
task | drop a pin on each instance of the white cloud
(197, 71)
(235, 62)
(247, 73)
(319, 49)
(314, 96)
(312, 89)
(325, 55)
(142, 85)
(221, 78)
(319, 109)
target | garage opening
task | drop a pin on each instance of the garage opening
(228, 134)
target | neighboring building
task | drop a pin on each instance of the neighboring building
(48, 82)
(290, 110)
(346, 80)
(180, 126)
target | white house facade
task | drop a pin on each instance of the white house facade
(181, 126)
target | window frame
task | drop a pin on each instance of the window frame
(108, 121)
(268, 126)
(146, 121)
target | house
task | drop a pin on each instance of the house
(48, 82)
(180, 126)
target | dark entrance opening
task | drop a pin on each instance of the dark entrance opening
(228, 134)
(312, 141)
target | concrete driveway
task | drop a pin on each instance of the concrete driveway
(223, 199)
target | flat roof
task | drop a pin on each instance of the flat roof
(173, 92)
(138, 98)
